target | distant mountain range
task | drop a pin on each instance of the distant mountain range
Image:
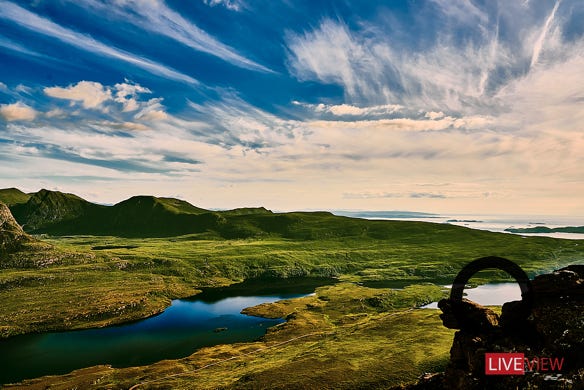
(57, 213)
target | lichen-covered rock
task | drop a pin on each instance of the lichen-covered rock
(11, 234)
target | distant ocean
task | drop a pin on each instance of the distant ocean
(490, 222)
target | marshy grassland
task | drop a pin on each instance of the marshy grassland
(345, 336)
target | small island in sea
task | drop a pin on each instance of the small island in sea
(545, 229)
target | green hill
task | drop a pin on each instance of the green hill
(247, 211)
(180, 206)
(46, 209)
(60, 214)
(13, 196)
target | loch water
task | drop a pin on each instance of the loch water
(210, 318)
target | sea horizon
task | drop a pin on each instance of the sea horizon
(481, 221)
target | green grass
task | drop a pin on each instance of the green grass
(139, 277)
(13, 196)
(334, 339)
(365, 337)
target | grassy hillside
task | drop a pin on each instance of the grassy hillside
(129, 278)
(135, 258)
(334, 339)
(13, 196)
(60, 214)
(45, 209)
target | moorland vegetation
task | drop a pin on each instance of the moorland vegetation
(80, 264)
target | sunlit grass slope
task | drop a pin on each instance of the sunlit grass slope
(341, 338)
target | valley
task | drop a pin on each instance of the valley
(78, 265)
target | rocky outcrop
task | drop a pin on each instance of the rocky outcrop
(11, 234)
(552, 326)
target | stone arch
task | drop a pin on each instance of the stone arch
(493, 262)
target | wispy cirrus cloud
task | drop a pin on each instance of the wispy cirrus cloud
(539, 43)
(373, 70)
(10, 45)
(446, 73)
(33, 22)
(156, 17)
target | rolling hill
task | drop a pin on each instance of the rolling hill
(60, 214)
(13, 196)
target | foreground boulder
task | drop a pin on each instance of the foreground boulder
(552, 327)
(11, 234)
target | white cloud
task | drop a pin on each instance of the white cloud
(351, 110)
(124, 125)
(126, 94)
(434, 115)
(152, 115)
(233, 5)
(102, 98)
(56, 113)
(410, 124)
(90, 94)
(152, 111)
(17, 112)
(31, 21)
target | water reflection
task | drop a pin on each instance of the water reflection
(490, 294)
(210, 318)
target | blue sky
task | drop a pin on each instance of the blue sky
(436, 106)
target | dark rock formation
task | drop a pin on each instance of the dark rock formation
(476, 318)
(11, 234)
(553, 328)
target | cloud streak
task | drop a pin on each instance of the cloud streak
(33, 22)
(538, 46)
(156, 17)
(446, 74)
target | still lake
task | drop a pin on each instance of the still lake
(185, 326)
(490, 294)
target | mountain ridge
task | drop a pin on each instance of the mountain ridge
(56, 213)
